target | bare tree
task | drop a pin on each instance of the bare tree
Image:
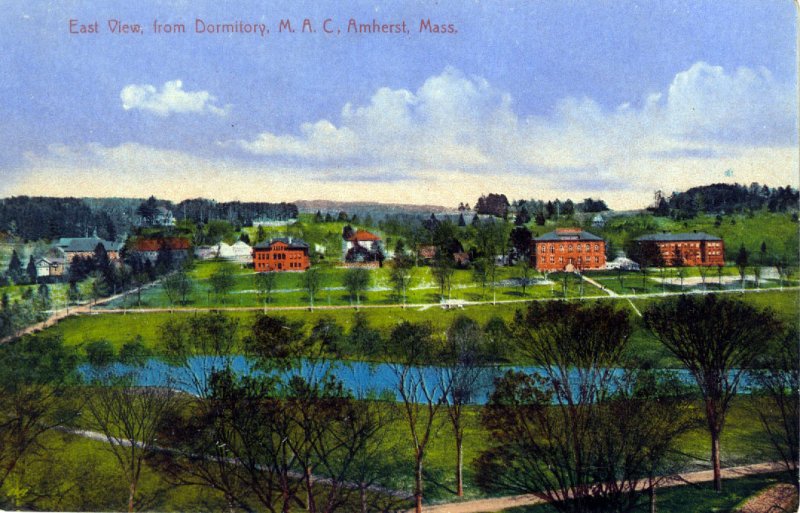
(580, 431)
(421, 395)
(465, 369)
(778, 389)
(717, 339)
(129, 415)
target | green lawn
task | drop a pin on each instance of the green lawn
(290, 290)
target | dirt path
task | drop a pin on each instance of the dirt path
(63, 313)
(503, 503)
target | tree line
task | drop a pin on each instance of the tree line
(721, 198)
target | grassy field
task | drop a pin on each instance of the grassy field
(119, 328)
(290, 290)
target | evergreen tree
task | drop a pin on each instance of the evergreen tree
(318, 217)
(461, 222)
(31, 270)
(15, 271)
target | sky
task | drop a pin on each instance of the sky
(536, 99)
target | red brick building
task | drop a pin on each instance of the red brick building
(686, 249)
(568, 249)
(281, 254)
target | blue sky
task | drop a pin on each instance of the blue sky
(532, 99)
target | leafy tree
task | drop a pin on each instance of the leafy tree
(134, 352)
(73, 293)
(363, 339)
(356, 281)
(43, 297)
(35, 373)
(400, 275)
(521, 239)
(265, 283)
(178, 286)
(717, 339)
(742, 259)
(522, 217)
(148, 210)
(647, 254)
(275, 338)
(99, 288)
(326, 338)
(261, 234)
(222, 280)
(100, 353)
(312, 282)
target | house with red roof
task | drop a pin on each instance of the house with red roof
(147, 248)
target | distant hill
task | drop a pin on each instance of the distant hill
(362, 208)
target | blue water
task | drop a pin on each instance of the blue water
(362, 379)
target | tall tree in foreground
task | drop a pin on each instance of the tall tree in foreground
(579, 431)
(717, 339)
(464, 371)
(778, 393)
(421, 394)
(129, 416)
(34, 376)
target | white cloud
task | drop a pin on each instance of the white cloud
(170, 99)
(457, 136)
(454, 121)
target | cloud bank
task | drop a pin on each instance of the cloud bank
(457, 136)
